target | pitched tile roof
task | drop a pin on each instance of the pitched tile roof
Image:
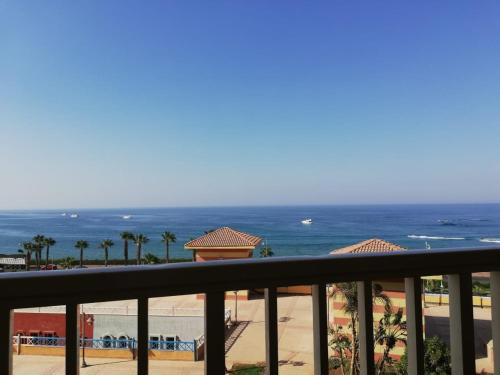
(374, 245)
(224, 237)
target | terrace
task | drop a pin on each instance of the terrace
(74, 287)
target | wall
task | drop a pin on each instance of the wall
(216, 254)
(394, 289)
(436, 299)
(186, 327)
(34, 321)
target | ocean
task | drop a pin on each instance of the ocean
(441, 226)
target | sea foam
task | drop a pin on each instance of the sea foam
(434, 237)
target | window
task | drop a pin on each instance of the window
(123, 341)
(154, 341)
(107, 341)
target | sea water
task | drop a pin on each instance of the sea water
(333, 227)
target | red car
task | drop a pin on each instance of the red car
(50, 267)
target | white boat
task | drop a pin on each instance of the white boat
(73, 216)
(307, 221)
(63, 214)
(126, 217)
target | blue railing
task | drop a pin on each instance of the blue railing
(180, 346)
(174, 346)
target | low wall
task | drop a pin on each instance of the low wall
(242, 296)
(436, 299)
(103, 353)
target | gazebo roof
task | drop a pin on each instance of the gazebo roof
(224, 237)
(374, 245)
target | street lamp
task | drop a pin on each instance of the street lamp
(89, 320)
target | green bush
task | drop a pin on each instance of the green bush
(437, 358)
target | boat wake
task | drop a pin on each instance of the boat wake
(490, 240)
(414, 236)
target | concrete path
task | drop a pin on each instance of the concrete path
(40, 365)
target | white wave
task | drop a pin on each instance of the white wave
(490, 240)
(434, 237)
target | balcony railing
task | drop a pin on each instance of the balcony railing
(73, 287)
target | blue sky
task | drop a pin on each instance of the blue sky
(174, 103)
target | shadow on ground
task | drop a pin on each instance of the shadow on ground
(440, 326)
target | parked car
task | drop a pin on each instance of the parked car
(49, 267)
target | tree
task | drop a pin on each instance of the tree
(106, 244)
(341, 345)
(350, 295)
(390, 330)
(67, 262)
(48, 242)
(166, 238)
(140, 240)
(81, 245)
(126, 236)
(151, 259)
(27, 250)
(38, 245)
(437, 358)
(266, 251)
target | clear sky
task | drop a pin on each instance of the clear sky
(174, 103)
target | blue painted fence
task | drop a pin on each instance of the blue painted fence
(181, 346)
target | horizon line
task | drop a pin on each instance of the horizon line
(247, 206)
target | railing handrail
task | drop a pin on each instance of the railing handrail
(175, 345)
(94, 285)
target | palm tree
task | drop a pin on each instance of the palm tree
(391, 329)
(151, 259)
(82, 245)
(48, 242)
(26, 250)
(266, 251)
(140, 240)
(126, 236)
(166, 238)
(67, 262)
(349, 292)
(106, 244)
(38, 245)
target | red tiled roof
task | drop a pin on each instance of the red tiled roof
(374, 245)
(224, 237)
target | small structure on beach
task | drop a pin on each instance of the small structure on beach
(221, 244)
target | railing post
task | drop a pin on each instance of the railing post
(365, 334)
(142, 336)
(320, 329)
(215, 351)
(271, 302)
(414, 327)
(495, 318)
(461, 324)
(6, 322)
(72, 357)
